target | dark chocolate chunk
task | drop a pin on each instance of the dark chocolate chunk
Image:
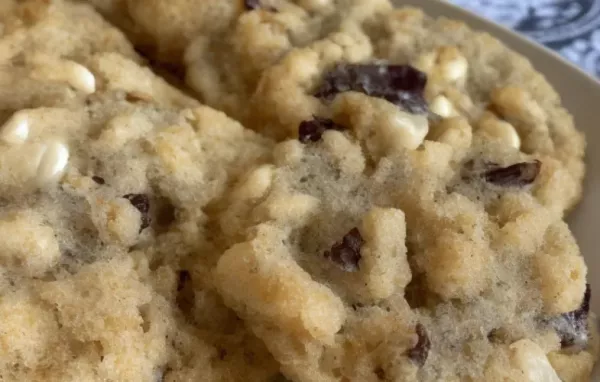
(183, 277)
(98, 179)
(312, 130)
(252, 4)
(516, 175)
(142, 203)
(572, 327)
(165, 213)
(401, 85)
(185, 292)
(380, 373)
(419, 353)
(346, 254)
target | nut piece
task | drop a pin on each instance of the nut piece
(531, 360)
(16, 130)
(53, 162)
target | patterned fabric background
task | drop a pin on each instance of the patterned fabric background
(571, 27)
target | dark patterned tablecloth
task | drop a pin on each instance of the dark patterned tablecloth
(571, 27)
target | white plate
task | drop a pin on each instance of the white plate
(580, 94)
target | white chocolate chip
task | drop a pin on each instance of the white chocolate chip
(80, 77)
(442, 106)
(16, 129)
(52, 69)
(531, 360)
(53, 162)
(455, 69)
(502, 131)
(410, 129)
(446, 63)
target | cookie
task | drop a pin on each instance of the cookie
(466, 76)
(47, 27)
(105, 171)
(259, 38)
(360, 193)
(162, 30)
(356, 267)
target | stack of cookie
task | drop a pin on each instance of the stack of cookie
(307, 190)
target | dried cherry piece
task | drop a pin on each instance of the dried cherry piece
(346, 254)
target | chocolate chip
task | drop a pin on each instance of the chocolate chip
(252, 4)
(516, 175)
(401, 85)
(357, 306)
(346, 254)
(182, 279)
(380, 373)
(165, 213)
(222, 354)
(142, 203)
(572, 327)
(419, 353)
(312, 130)
(98, 179)
(185, 292)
